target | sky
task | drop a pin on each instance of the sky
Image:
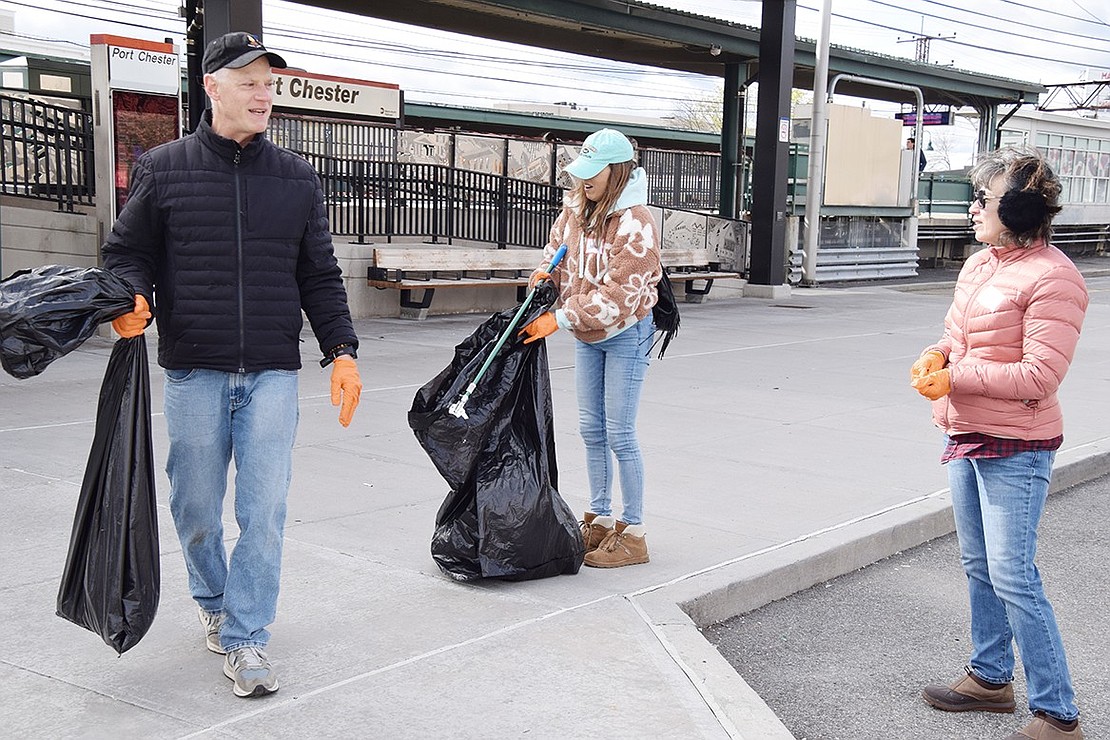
(1019, 39)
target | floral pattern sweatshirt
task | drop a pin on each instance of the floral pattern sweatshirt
(607, 285)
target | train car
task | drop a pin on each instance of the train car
(1079, 151)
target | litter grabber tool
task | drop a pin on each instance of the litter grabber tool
(458, 408)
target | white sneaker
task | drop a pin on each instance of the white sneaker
(251, 671)
(212, 622)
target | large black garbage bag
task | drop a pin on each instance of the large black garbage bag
(50, 311)
(504, 517)
(111, 581)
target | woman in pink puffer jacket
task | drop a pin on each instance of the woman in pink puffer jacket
(1009, 338)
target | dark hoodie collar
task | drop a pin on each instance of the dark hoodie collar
(226, 147)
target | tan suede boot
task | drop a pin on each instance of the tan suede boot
(625, 545)
(595, 529)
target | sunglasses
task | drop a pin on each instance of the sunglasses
(981, 198)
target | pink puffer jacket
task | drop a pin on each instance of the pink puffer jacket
(1009, 337)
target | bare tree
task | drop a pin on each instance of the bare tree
(940, 158)
(701, 114)
(705, 113)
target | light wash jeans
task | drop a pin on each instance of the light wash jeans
(212, 416)
(998, 504)
(609, 376)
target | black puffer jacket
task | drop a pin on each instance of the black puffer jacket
(231, 243)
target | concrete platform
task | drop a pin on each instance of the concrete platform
(783, 447)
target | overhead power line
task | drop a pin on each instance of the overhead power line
(1041, 8)
(42, 38)
(169, 17)
(573, 85)
(1039, 27)
(1076, 4)
(302, 34)
(1037, 57)
(69, 13)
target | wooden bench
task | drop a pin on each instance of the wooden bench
(690, 266)
(428, 270)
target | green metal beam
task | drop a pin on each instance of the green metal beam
(445, 116)
(641, 33)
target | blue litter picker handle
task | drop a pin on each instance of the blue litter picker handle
(458, 408)
(559, 254)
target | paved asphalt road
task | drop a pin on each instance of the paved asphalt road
(848, 658)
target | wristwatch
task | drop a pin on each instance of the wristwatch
(336, 351)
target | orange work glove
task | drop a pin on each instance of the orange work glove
(929, 362)
(133, 324)
(934, 385)
(346, 386)
(538, 276)
(540, 327)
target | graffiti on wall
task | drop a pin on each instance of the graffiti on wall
(529, 160)
(480, 154)
(422, 147)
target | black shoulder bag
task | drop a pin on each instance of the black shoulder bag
(665, 314)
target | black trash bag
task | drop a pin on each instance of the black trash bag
(50, 311)
(504, 517)
(112, 579)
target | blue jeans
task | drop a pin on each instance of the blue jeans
(998, 504)
(609, 376)
(211, 416)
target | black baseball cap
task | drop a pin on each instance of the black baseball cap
(235, 50)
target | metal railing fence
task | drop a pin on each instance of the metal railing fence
(688, 180)
(334, 138)
(46, 152)
(411, 199)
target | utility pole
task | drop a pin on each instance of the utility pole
(921, 43)
(817, 137)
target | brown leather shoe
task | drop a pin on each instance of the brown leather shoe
(594, 532)
(966, 694)
(1044, 727)
(625, 545)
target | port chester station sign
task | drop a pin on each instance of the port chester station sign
(308, 92)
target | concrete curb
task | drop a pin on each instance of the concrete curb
(677, 611)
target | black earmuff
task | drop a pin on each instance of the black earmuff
(1022, 211)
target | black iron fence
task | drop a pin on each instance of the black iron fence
(407, 199)
(687, 180)
(333, 138)
(46, 152)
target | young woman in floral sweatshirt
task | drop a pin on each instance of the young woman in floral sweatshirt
(607, 288)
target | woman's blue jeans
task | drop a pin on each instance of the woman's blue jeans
(609, 376)
(212, 416)
(998, 504)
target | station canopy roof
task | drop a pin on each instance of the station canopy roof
(650, 35)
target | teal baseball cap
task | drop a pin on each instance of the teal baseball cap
(600, 148)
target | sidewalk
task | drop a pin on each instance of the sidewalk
(848, 658)
(783, 448)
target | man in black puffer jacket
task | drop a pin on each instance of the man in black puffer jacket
(225, 235)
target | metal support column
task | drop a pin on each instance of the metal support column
(212, 19)
(988, 122)
(193, 10)
(772, 145)
(817, 137)
(225, 16)
(730, 143)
